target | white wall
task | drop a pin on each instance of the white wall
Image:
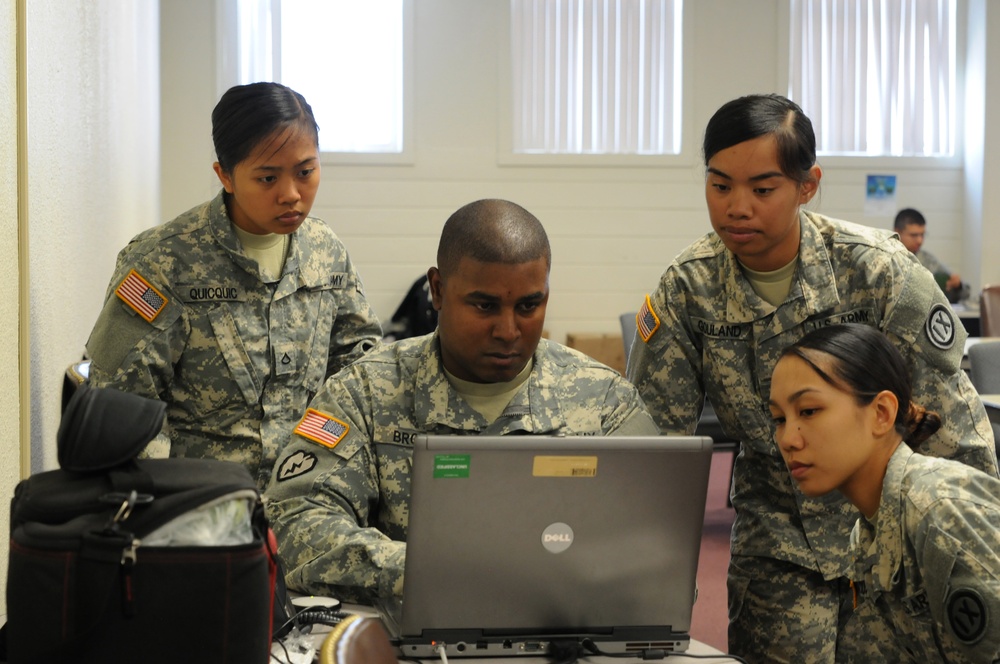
(982, 161)
(93, 175)
(9, 310)
(974, 131)
(189, 89)
(613, 230)
(92, 180)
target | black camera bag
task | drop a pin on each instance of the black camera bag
(82, 588)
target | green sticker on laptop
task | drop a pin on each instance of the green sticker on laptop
(451, 465)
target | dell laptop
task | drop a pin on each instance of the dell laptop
(520, 544)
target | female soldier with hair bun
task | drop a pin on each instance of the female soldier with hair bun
(713, 328)
(235, 312)
(927, 548)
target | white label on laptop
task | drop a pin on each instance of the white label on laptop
(564, 466)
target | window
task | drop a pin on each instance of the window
(596, 76)
(355, 82)
(877, 77)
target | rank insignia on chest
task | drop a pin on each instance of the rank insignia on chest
(140, 295)
(322, 429)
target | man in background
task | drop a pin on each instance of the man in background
(912, 229)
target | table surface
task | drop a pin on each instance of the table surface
(972, 341)
(316, 639)
(991, 399)
(966, 309)
(967, 313)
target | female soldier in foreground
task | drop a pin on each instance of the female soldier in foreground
(927, 548)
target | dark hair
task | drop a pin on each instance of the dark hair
(249, 114)
(753, 116)
(865, 362)
(908, 216)
(492, 231)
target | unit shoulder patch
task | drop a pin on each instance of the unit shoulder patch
(141, 296)
(940, 327)
(323, 429)
(968, 615)
(295, 465)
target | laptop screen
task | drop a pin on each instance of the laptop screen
(517, 539)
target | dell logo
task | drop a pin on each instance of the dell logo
(557, 537)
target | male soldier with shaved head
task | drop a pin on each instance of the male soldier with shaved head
(338, 498)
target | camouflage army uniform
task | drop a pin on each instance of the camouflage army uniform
(338, 501)
(931, 262)
(704, 331)
(189, 319)
(930, 563)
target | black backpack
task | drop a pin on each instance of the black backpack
(81, 587)
(415, 315)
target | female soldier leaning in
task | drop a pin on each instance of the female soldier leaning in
(927, 550)
(235, 312)
(714, 327)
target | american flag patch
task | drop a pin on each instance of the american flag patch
(137, 293)
(646, 321)
(319, 428)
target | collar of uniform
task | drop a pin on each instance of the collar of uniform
(810, 291)
(544, 395)
(439, 404)
(864, 554)
(435, 403)
(889, 525)
(222, 229)
(316, 260)
(742, 304)
(815, 268)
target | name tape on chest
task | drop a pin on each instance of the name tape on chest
(141, 296)
(195, 293)
(322, 429)
(863, 315)
(721, 329)
(737, 331)
(403, 437)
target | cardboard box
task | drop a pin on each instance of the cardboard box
(606, 348)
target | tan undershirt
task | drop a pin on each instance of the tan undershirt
(489, 399)
(268, 250)
(772, 287)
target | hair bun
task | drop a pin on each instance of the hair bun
(921, 424)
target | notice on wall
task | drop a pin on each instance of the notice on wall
(880, 196)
